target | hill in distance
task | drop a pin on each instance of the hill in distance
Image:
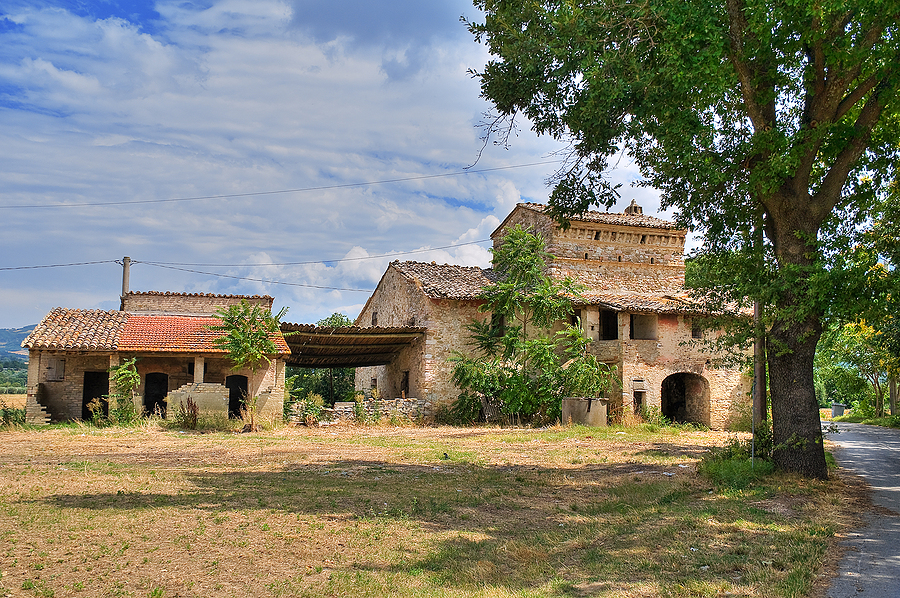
(11, 342)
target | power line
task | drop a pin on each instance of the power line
(59, 265)
(277, 192)
(346, 259)
(292, 284)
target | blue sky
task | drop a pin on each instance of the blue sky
(106, 104)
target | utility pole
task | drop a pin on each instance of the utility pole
(126, 275)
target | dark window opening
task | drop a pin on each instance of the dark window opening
(609, 325)
(643, 239)
(585, 256)
(638, 405)
(498, 325)
(575, 318)
(597, 236)
(652, 261)
(374, 318)
(373, 383)
(620, 258)
(696, 330)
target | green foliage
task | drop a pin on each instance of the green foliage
(738, 464)
(11, 416)
(13, 375)
(770, 126)
(519, 368)
(249, 333)
(307, 410)
(334, 384)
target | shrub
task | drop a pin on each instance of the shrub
(188, 415)
(740, 463)
(11, 416)
(309, 410)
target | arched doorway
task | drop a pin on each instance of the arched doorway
(685, 399)
(237, 392)
(156, 387)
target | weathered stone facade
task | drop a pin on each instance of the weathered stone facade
(634, 309)
(71, 353)
(422, 370)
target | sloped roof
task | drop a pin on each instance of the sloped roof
(77, 330)
(346, 346)
(676, 301)
(97, 330)
(612, 218)
(446, 281)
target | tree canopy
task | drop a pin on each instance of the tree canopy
(770, 126)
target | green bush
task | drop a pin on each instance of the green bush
(11, 416)
(739, 463)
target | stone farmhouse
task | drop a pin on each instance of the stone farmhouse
(635, 310)
(71, 351)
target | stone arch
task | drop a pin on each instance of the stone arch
(685, 398)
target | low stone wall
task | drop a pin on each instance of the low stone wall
(417, 410)
(209, 398)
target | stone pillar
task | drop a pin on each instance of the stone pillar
(199, 366)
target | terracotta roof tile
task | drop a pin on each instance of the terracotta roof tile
(612, 218)
(77, 330)
(446, 281)
(97, 330)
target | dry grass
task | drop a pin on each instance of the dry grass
(378, 511)
(14, 401)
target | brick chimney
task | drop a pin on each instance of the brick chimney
(634, 209)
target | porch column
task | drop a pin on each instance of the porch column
(199, 363)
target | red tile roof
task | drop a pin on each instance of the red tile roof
(97, 330)
(179, 334)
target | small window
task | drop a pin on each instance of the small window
(597, 236)
(374, 318)
(643, 327)
(620, 258)
(498, 325)
(696, 329)
(56, 369)
(575, 318)
(585, 256)
(643, 239)
(609, 325)
(652, 261)
(374, 384)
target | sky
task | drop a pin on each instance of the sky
(284, 148)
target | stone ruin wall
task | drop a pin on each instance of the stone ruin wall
(187, 303)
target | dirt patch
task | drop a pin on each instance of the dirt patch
(377, 511)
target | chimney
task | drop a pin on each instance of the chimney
(126, 274)
(634, 209)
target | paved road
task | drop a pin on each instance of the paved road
(871, 566)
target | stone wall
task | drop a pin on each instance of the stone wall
(400, 302)
(61, 392)
(187, 303)
(415, 410)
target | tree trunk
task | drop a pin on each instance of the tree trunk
(796, 427)
(892, 383)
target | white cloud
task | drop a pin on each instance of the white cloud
(244, 97)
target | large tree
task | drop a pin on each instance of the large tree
(752, 118)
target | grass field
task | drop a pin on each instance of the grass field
(381, 511)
